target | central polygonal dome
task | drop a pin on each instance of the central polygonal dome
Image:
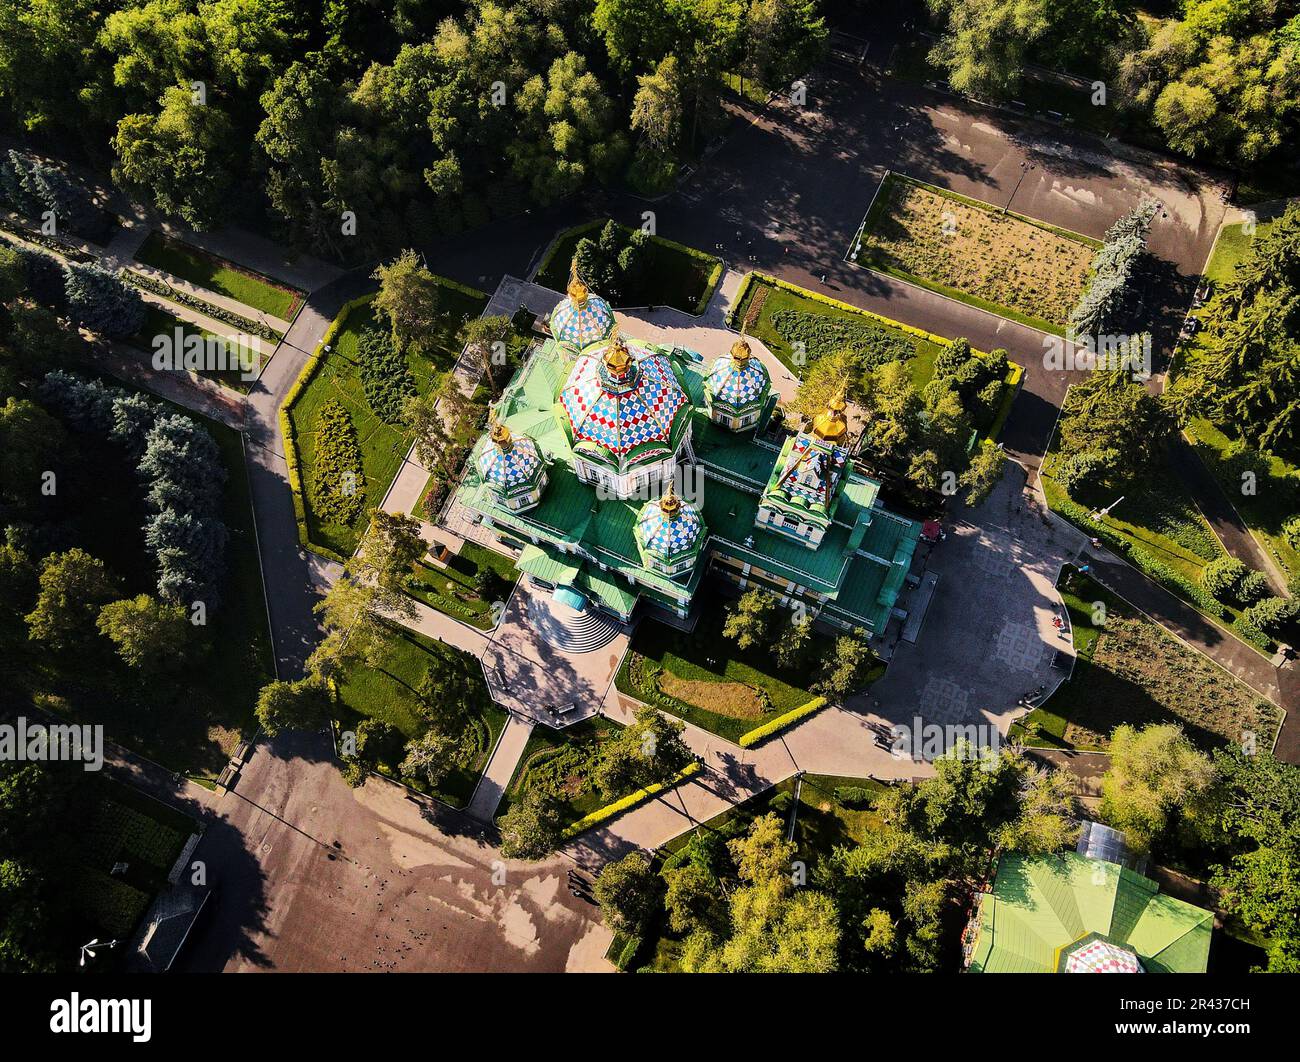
(623, 406)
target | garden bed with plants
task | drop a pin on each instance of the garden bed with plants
(709, 682)
(468, 587)
(782, 316)
(343, 418)
(563, 763)
(1012, 265)
(1129, 670)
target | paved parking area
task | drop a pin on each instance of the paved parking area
(988, 636)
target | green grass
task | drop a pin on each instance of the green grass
(675, 275)
(387, 692)
(712, 664)
(577, 748)
(1009, 264)
(1156, 517)
(775, 299)
(383, 445)
(1277, 490)
(216, 274)
(1131, 671)
(158, 321)
(462, 600)
(1231, 247)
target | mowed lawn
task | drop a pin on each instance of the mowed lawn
(1232, 246)
(217, 274)
(383, 445)
(387, 693)
(1131, 671)
(709, 682)
(763, 301)
(1016, 267)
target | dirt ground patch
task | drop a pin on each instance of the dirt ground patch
(733, 699)
(1000, 258)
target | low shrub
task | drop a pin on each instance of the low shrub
(853, 796)
(385, 375)
(1253, 587)
(339, 487)
(781, 722)
(1223, 576)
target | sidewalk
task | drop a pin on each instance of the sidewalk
(500, 769)
(207, 295)
(836, 741)
(708, 333)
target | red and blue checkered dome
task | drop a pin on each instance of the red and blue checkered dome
(621, 414)
(582, 322)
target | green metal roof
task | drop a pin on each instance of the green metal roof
(1041, 905)
(548, 567)
(737, 468)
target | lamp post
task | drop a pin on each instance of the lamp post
(1025, 167)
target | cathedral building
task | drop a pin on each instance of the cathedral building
(625, 471)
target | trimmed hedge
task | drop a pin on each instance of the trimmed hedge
(781, 722)
(623, 804)
(309, 369)
(217, 313)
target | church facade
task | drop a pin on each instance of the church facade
(625, 471)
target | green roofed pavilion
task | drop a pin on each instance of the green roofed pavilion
(1071, 914)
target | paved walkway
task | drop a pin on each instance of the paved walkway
(835, 741)
(500, 769)
(708, 334)
(225, 302)
(988, 636)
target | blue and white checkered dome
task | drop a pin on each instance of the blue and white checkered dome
(509, 461)
(582, 318)
(739, 379)
(669, 529)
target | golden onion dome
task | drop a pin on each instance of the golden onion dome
(832, 423)
(740, 351)
(500, 435)
(577, 290)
